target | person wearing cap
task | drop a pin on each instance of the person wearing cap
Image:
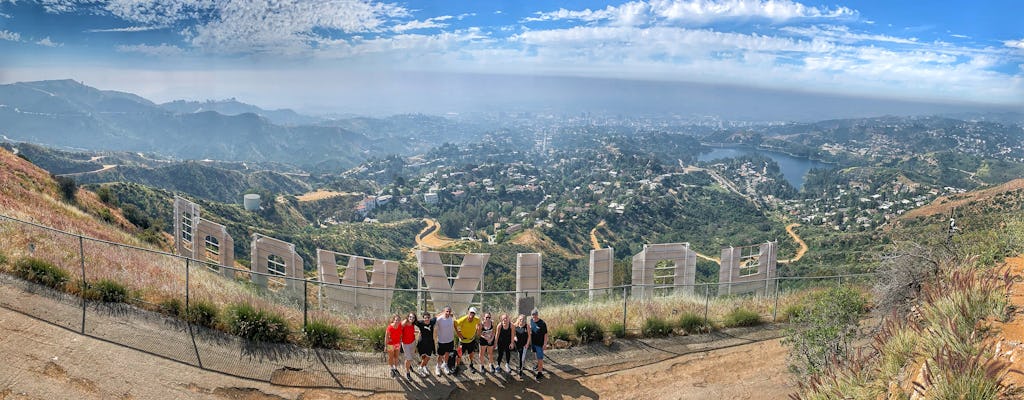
(468, 328)
(539, 340)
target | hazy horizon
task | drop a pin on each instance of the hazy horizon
(635, 57)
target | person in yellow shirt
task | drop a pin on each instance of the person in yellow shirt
(468, 328)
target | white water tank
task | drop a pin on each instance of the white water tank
(251, 202)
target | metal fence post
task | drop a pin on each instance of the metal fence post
(191, 332)
(707, 302)
(624, 309)
(775, 311)
(305, 304)
(186, 285)
(81, 256)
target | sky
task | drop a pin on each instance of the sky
(365, 56)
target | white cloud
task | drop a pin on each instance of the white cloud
(162, 50)
(695, 11)
(10, 36)
(244, 26)
(844, 35)
(127, 29)
(429, 23)
(48, 43)
(1017, 44)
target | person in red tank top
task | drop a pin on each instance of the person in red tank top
(393, 342)
(408, 339)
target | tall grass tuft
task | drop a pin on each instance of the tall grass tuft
(617, 329)
(373, 336)
(41, 272)
(588, 330)
(107, 291)
(693, 323)
(202, 313)
(656, 327)
(322, 334)
(255, 324)
(741, 317)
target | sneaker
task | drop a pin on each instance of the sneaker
(437, 370)
(507, 369)
(409, 376)
(494, 369)
(422, 372)
(540, 375)
(394, 373)
(446, 370)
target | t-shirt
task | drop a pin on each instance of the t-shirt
(538, 329)
(467, 327)
(408, 333)
(426, 331)
(445, 330)
(394, 335)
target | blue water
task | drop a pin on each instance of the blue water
(794, 169)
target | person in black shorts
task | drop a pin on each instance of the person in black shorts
(426, 344)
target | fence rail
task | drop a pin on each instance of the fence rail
(158, 280)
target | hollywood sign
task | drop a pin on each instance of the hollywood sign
(456, 279)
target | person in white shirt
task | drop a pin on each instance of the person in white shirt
(445, 330)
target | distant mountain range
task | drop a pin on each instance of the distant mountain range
(233, 107)
(68, 114)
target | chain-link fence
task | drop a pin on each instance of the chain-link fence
(180, 308)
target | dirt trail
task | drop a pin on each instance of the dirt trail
(56, 363)
(321, 194)
(803, 245)
(430, 237)
(593, 235)
(1010, 342)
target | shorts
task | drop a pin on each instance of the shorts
(409, 354)
(539, 350)
(445, 348)
(469, 347)
(425, 348)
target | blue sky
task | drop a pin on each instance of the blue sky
(302, 54)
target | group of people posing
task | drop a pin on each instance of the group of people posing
(475, 336)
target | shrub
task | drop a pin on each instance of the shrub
(41, 272)
(202, 313)
(588, 330)
(322, 334)
(741, 317)
(3, 259)
(253, 324)
(791, 311)
(68, 188)
(375, 337)
(107, 291)
(692, 323)
(106, 195)
(822, 335)
(618, 329)
(171, 306)
(656, 327)
(562, 333)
